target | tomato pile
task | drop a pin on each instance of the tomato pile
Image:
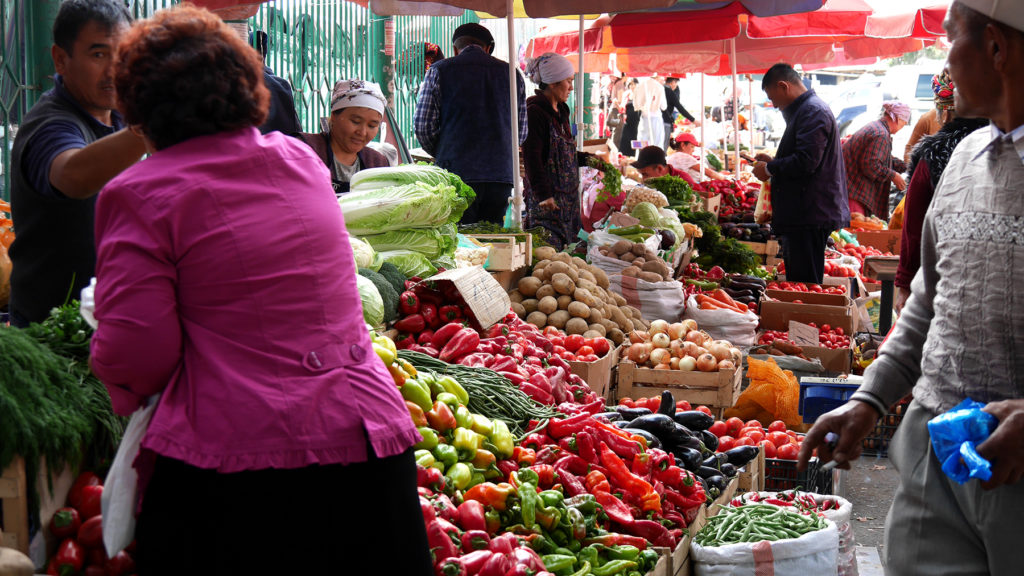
(802, 287)
(574, 347)
(828, 337)
(770, 336)
(737, 198)
(840, 271)
(79, 526)
(776, 441)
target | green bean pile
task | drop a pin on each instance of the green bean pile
(490, 393)
(756, 522)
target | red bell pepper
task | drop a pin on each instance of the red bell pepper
(549, 454)
(524, 556)
(413, 323)
(475, 540)
(441, 543)
(450, 313)
(471, 515)
(504, 364)
(623, 447)
(70, 557)
(514, 377)
(478, 360)
(440, 417)
(428, 350)
(497, 565)
(536, 393)
(507, 467)
(445, 509)
(469, 565)
(596, 482)
(429, 478)
(427, 510)
(90, 505)
(525, 455)
(120, 565)
(429, 312)
(75, 493)
(65, 523)
(546, 473)
(464, 342)
(541, 381)
(504, 543)
(425, 337)
(499, 329)
(408, 303)
(443, 334)
(490, 494)
(405, 341)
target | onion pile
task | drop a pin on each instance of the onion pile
(680, 346)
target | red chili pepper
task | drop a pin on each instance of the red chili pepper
(571, 483)
(414, 323)
(586, 447)
(622, 477)
(653, 531)
(616, 539)
(616, 509)
(559, 428)
(595, 407)
(507, 467)
(642, 466)
(549, 454)
(546, 473)
(623, 447)
(408, 303)
(596, 481)
(443, 334)
(533, 391)
(464, 342)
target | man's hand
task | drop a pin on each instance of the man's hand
(761, 171)
(852, 422)
(901, 299)
(1005, 447)
(762, 157)
(899, 182)
(548, 204)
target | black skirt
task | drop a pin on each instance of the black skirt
(361, 518)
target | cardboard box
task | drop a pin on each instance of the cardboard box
(777, 314)
(833, 360)
(717, 390)
(598, 375)
(884, 240)
(482, 293)
(712, 204)
(507, 251)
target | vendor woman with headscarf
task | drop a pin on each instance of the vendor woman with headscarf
(357, 109)
(870, 165)
(549, 152)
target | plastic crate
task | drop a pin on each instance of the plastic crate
(877, 442)
(782, 474)
(817, 397)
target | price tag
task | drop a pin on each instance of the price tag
(488, 300)
(802, 334)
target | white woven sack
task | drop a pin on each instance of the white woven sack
(655, 300)
(739, 329)
(813, 553)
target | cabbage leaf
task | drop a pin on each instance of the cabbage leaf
(409, 263)
(363, 252)
(414, 205)
(373, 304)
(431, 242)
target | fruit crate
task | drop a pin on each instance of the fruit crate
(14, 505)
(716, 390)
(877, 442)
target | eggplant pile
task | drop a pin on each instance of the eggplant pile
(685, 435)
(744, 287)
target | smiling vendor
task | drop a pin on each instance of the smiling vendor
(357, 110)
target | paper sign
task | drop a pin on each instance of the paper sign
(483, 294)
(803, 335)
(621, 220)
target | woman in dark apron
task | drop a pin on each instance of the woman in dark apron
(552, 176)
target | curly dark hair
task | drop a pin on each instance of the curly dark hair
(183, 73)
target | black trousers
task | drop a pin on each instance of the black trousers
(490, 204)
(803, 250)
(361, 518)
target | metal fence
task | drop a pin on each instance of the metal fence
(312, 43)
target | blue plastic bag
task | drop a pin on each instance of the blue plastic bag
(955, 436)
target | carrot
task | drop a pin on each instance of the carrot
(709, 303)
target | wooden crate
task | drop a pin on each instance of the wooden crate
(14, 496)
(598, 375)
(507, 252)
(716, 390)
(751, 477)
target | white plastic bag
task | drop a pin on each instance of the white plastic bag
(603, 238)
(655, 300)
(121, 486)
(739, 329)
(87, 306)
(813, 553)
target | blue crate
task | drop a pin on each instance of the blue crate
(817, 398)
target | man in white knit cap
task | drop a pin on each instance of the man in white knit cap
(961, 334)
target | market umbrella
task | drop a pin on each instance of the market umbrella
(907, 19)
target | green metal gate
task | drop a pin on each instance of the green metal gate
(312, 43)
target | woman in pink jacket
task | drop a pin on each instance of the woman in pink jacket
(226, 283)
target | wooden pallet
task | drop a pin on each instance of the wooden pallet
(716, 390)
(14, 497)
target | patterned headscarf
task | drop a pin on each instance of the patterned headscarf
(357, 93)
(942, 86)
(895, 109)
(549, 68)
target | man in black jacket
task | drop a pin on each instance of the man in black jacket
(668, 116)
(281, 116)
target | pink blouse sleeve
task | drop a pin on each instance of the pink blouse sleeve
(138, 345)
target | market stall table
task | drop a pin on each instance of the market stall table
(883, 269)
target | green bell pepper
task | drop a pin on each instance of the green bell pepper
(482, 425)
(477, 478)
(450, 399)
(552, 497)
(429, 441)
(452, 386)
(416, 391)
(558, 562)
(446, 454)
(648, 558)
(424, 458)
(502, 439)
(460, 475)
(463, 417)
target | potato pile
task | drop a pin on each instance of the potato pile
(569, 294)
(644, 263)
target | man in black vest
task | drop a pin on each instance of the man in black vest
(462, 119)
(69, 145)
(281, 116)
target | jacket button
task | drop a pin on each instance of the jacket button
(358, 353)
(313, 359)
